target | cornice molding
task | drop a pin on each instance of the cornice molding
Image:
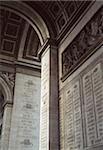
(49, 42)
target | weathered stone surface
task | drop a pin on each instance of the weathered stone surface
(6, 127)
(44, 126)
(81, 107)
(49, 132)
(83, 44)
(26, 113)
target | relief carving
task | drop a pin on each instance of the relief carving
(83, 44)
(9, 77)
(81, 115)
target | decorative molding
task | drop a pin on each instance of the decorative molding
(6, 88)
(60, 16)
(49, 42)
(11, 29)
(32, 45)
(9, 78)
(1, 106)
(83, 45)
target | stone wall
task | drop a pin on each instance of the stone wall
(81, 89)
(26, 113)
(81, 107)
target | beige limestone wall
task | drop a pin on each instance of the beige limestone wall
(81, 105)
(44, 111)
(76, 132)
(49, 131)
(6, 127)
(6, 86)
(24, 134)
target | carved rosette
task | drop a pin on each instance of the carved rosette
(84, 44)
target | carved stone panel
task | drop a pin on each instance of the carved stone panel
(83, 45)
(9, 78)
(81, 109)
(26, 113)
(11, 29)
(32, 44)
(93, 102)
(73, 121)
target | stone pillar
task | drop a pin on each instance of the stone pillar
(6, 126)
(25, 120)
(49, 131)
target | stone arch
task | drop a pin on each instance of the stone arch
(5, 98)
(6, 91)
(31, 16)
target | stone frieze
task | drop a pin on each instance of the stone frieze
(83, 45)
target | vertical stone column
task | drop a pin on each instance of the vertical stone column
(25, 120)
(49, 131)
(6, 126)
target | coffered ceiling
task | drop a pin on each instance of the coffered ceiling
(12, 28)
(59, 16)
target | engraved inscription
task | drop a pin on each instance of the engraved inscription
(73, 119)
(27, 112)
(89, 109)
(93, 99)
(81, 110)
(44, 123)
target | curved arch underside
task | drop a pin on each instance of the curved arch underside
(26, 25)
(22, 31)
